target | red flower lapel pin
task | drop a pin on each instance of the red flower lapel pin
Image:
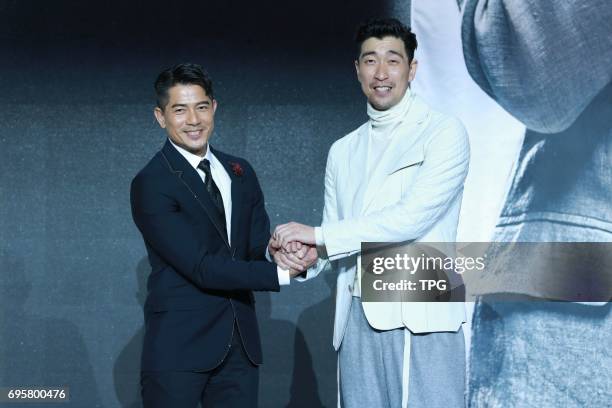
(237, 169)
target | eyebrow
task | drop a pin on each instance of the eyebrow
(399, 54)
(365, 54)
(182, 105)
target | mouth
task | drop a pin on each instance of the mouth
(382, 90)
(193, 134)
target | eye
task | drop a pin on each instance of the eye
(179, 110)
(203, 107)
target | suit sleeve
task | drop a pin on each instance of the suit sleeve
(438, 183)
(259, 234)
(158, 217)
(330, 213)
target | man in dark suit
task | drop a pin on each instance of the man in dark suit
(201, 214)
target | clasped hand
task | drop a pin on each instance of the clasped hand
(292, 246)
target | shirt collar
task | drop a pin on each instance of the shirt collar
(193, 159)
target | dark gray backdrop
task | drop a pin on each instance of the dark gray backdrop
(76, 124)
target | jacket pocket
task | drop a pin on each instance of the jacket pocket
(409, 160)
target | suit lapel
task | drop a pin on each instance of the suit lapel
(405, 137)
(190, 178)
(357, 174)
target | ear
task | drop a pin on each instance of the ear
(159, 115)
(413, 67)
(214, 106)
(357, 70)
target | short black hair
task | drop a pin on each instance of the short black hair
(184, 74)
(386, 27)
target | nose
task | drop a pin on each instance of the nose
(381, 72)
(192, 117)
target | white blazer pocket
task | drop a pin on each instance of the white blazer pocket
(409, 160)
(404, 173)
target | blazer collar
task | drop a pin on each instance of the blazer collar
(418, 112)
(357, 169)
(176, 162)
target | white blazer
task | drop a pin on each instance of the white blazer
(414, 193)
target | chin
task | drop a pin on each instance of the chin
(199, 150)
(380, 107)
(195, 149)
(378, 104)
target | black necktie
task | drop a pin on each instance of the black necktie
(213, 190)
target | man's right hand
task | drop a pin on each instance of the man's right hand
(297, 257)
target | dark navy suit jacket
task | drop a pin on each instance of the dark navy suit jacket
(199, 283)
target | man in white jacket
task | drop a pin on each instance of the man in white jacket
(398, 177)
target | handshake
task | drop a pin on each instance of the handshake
(293, 247)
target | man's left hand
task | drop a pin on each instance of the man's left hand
(284, 234)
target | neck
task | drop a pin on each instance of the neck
(392, 115)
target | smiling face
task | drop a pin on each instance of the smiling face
(188, 117)
(384, 71)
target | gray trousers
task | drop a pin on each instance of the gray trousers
(372, 371)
